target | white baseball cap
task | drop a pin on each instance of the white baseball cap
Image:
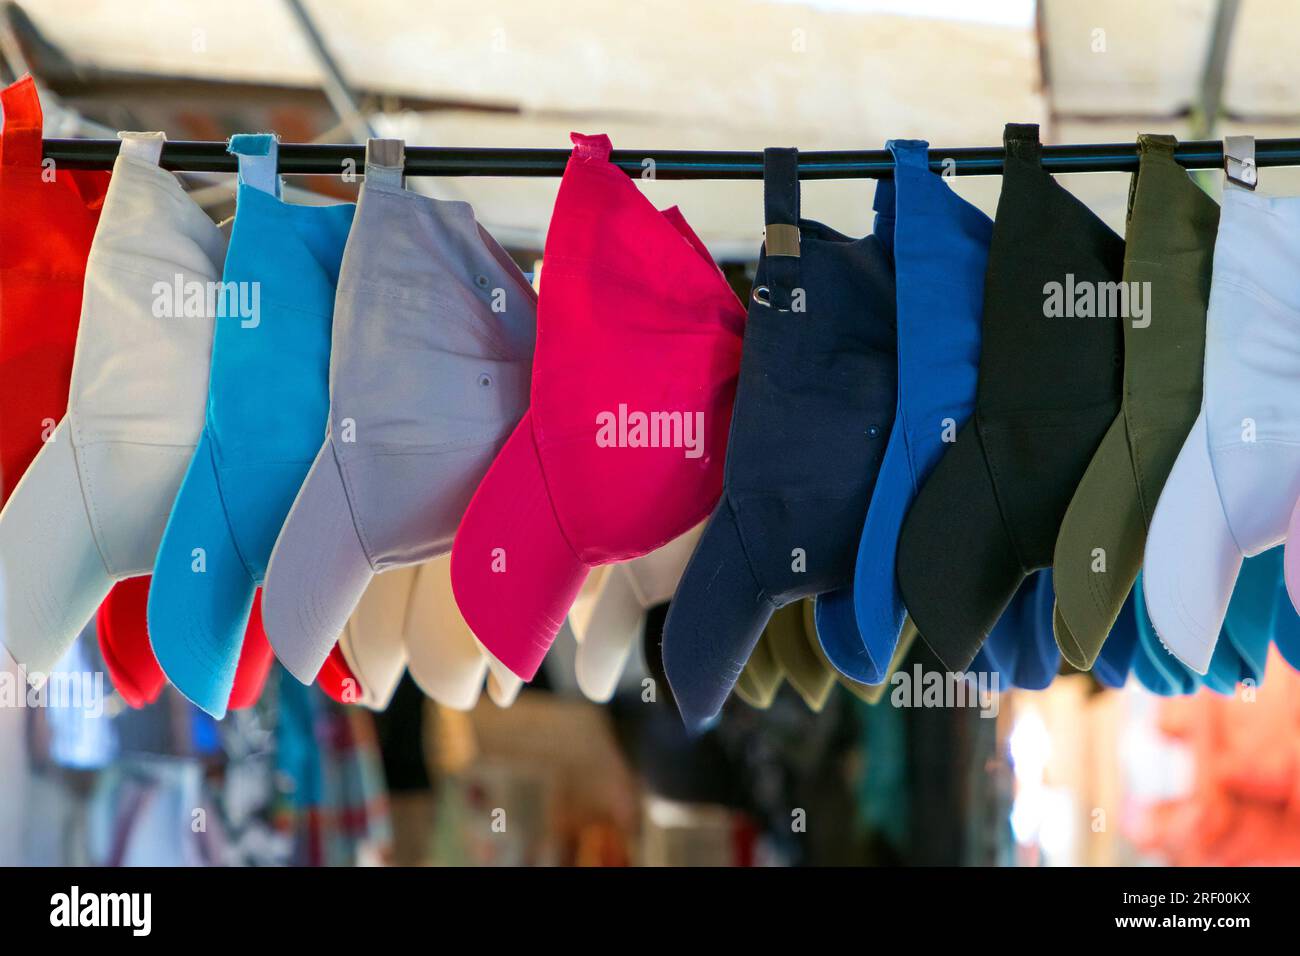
(445, 658)
(373, 641)
(608, 617)
(92, 507)
(1231, 490)
(406, 619)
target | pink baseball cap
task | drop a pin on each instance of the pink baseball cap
(622, 448)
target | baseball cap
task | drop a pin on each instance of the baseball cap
(1168, 257)
(1049, 388)
(1021, 646)
(1286, 630)
(761, 676)
(446, 659)
(1241, 653)
(1236, 479)
(868, 693)
(373, 641)
(622, 448)
(267, 401)
(429, 369)
(941, 245)
(1154, 667)
(1115, 662)
(813, 410)
(91, 508)
(124, 645)
(1292, 552)
(608, 615)
(791, 631)
(763, 673)
(45, 236)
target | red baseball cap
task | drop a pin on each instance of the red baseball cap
(622, 449)
(49, 217)
(132, 667)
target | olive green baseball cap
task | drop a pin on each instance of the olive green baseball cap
(1168, 260)
(762, 676)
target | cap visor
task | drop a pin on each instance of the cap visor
(1192, 561)
(1286, 628)
(788, 632)
(1248, 625)
(957, 569)
(761, 679)
(1021, 644)
(373, 642)
(714, 621)
(1292, 561)
(1115, 661)
(201, 594)
(255, 660)
(514, 575)
(445, 660)
(610, 629)
(840, 640)
(336, 679)
(52, 577)
(317, 573)
(124, 643)
(878, 605)
(1104, 522)
(503, 687)
(1155, 668)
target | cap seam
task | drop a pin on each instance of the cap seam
(225, 510)
(345, 477)
(991, 470)
(88, 500)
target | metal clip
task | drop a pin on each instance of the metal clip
(781, 239)
(1239, 161)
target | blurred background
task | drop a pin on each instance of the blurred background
(1071, 774)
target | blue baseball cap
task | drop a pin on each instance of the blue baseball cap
(1022, 643)
(1115, 662)
(1286, 627)
(1155, 668)
(814, 404)
(1242, 651)
(266, 413)
(941, 250)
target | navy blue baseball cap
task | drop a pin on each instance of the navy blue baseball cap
(813, 410)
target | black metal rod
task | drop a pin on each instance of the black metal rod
(329, 160)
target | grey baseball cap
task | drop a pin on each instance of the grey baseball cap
(431, 360)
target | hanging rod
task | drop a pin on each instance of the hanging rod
(318, 159)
